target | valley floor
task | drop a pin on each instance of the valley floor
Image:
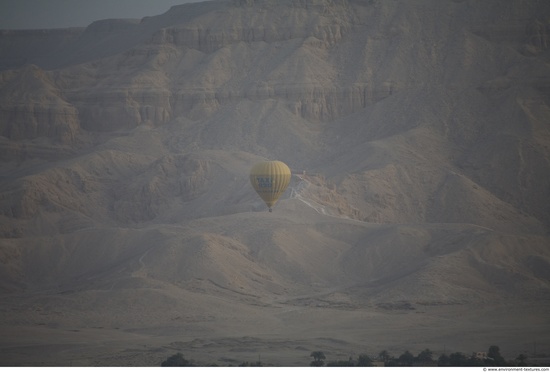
(279, 334)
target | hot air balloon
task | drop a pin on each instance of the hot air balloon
(270, 180)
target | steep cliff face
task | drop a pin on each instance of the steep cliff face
(31, 106)
(192, 65)
(318, 83)
(196, 59)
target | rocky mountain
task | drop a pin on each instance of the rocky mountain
(419, 211)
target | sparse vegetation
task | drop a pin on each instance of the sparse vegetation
(341, 363)
(425, 356)
(521, 360)
(406, 359)
(364, 361)
(384, 358)
(318, 359)
(494, 356)
(176, 360)
(251, 364)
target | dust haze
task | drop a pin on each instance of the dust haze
(129, 230)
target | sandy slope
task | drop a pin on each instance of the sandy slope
(129, 230)
(225, 290)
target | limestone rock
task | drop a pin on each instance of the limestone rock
(32, 106)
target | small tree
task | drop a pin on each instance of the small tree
(458, 359)
(318, 358)
(521, 359)
(444, 360)
(176, 360)
(364, 361)
(494, 355)
(406, 359)
(425, 356)
(384, 356)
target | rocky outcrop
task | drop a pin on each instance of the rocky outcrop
(538, 37)
(32, 106)
(152, 83)
(173, 177)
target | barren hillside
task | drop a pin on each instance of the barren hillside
(418, 215)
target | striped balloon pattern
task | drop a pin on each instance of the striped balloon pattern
(270, 180)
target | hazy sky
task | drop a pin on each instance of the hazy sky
(32, 14)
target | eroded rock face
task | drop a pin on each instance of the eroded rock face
(150, 194)
(192, 67)
(191, 63)
(295, 79)
(32, 106)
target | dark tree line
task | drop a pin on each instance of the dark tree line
(424, 358)
(493, 359)
(176, 360)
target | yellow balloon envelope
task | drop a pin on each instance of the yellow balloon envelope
(270, 180)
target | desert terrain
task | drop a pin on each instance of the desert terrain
(418, 215)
